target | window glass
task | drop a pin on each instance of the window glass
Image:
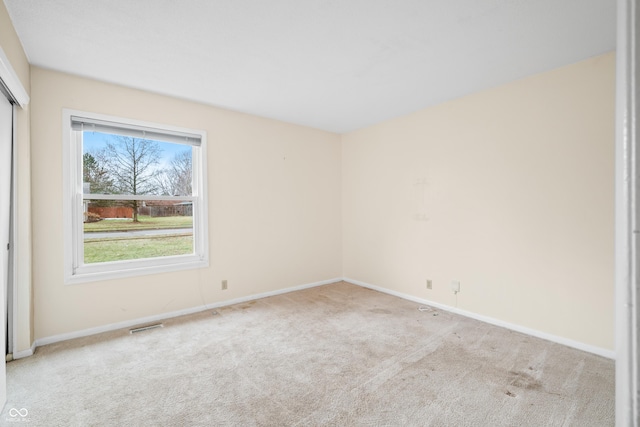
(116, 230)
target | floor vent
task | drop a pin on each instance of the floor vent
(145, 328)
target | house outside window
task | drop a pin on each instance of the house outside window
(135, 197)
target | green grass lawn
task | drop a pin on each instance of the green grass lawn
(105, 250)
(145, 223)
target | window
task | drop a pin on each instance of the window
(134, 200)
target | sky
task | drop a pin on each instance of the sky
(95, 141)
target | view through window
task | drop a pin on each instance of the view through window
(122, 229)
(135, 198)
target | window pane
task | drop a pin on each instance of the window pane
(163, 228)
(118, 164)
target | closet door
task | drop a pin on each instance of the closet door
(6, 132)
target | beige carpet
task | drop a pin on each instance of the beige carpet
(336, 355)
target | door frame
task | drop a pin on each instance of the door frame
(11, 87)
(12, 291)
(627, 219)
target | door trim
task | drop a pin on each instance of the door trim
(9, 79)
(627, 222)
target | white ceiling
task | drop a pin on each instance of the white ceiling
(337, 65)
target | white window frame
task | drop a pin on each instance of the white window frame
(75, 270)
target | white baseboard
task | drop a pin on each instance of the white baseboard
(164, 316)
(25, 353)
(609, 354)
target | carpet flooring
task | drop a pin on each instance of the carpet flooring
(335, 355)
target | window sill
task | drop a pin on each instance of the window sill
(135, 268)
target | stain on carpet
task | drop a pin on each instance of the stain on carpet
(524, 380)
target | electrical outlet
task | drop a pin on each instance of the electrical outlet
(455, 286)
(224, 285)
(429, 284)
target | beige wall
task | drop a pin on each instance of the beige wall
(509, 191)
(24, 325)
(517, 205)
(13, 48)
(274, 207)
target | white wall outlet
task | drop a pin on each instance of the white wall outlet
(455, 286)
(224, 285)
(429, 284)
